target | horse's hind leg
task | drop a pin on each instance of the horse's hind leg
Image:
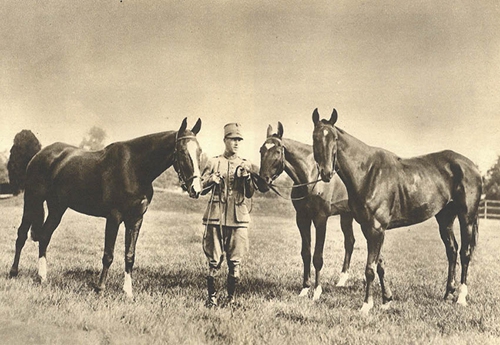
(33, 215)
(53, 219)
(468, 233)
(386, 291)
(320, 225)
(346, 220)
(304, 225)
(466, 197)
(445, 219)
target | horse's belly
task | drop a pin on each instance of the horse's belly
(413, 215)
(88, 209)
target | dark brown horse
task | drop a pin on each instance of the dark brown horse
(386, 192)
(314, 202)
(114, 183)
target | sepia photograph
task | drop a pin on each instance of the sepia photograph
(249, 172)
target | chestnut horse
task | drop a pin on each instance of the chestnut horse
(314, 201)
(387, 192)
(114, 183)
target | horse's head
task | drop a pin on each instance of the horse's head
(272, 155)
(325, 138)
(187, 158)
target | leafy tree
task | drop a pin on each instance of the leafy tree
(4, 173)
(492, 182)
(26, 145)
(94, 140)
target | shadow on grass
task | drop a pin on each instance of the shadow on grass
(157, 280)
(160, 280)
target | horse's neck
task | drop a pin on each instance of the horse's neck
(352, 155)
(299, 161)
(154, 154)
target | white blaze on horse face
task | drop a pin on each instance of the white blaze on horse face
(325, 132)
(42, 268)
(127, 285)
(269, 146)
(192, 148)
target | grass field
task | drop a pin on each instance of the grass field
(169, 285)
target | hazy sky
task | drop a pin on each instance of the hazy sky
(410, 76)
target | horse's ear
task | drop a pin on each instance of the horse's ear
(334, 117)
(315, 116)
(196, 127)
(183, 125)
(280, 130)
(269, 131)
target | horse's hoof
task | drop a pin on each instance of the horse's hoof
(129, 294)
(304, 292)
(98, 288)
(462, 294)
(342, 279)
(365, 309)
(462, 302)
(13, 273)
(317, 293)
(386, 306)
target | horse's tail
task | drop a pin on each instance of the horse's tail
(26, 145)
(35, 214)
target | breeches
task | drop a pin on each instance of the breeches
(232, 241)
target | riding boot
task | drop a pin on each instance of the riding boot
(231, 288)
(212, 293)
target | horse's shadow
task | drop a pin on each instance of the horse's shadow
(166, 281)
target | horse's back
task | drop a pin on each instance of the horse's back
(64, 172)
(40, 166)
(450, 165)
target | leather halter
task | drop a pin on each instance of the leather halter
(182, 179)
(280, 171)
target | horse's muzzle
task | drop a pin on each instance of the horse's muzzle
(326, 176)
(195, 188)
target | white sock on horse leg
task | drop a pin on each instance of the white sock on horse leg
(42, 268)
(462, 294)
(127, 285)
(343, 279)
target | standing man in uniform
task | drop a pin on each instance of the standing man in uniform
(227, 216)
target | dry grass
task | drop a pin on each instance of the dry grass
(169, 285)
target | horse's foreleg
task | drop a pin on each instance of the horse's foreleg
(304, 225)
(131, 235)
(346, 220)
(445, 219)
(320, 225)
(112, 225)
(375, 239)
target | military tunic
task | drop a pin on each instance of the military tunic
(227, 215)
(229, 204)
